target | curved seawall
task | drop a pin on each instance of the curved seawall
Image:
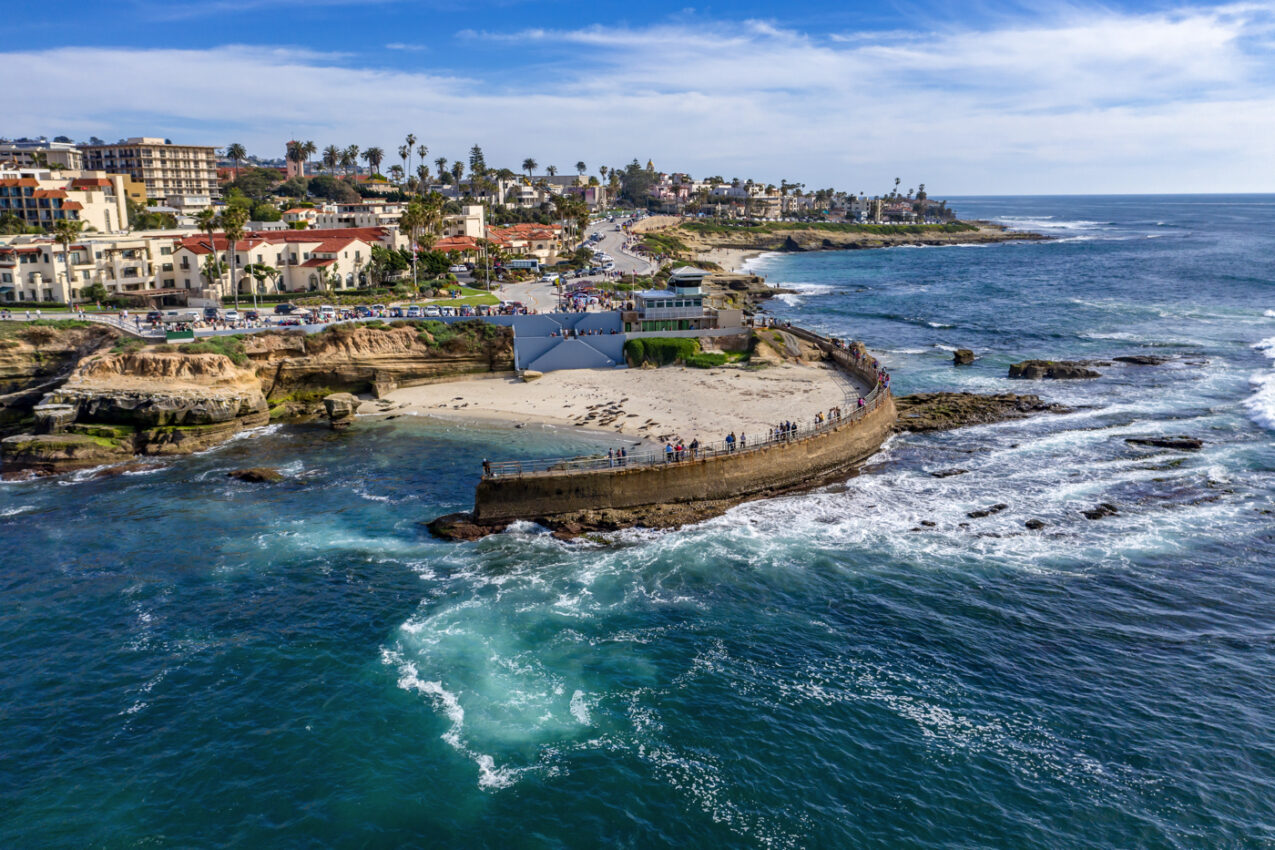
(590, 493)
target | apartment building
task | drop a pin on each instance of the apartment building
(34, 268)
(301, 260)
(166, 169)
(41, 197)
(41, 153)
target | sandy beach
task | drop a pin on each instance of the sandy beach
(730, 259)
(656, 405)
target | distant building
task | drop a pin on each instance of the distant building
(681, 307)
(40, 197)
(36, 153)
(166, 169)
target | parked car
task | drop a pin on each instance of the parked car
(211, 313)
(447, 311)
(154, 316)
(432, 312)
(251, 315)
(284, 309)
(459, 268)
(231, 315)
(413, 311)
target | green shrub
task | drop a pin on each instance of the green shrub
(707, 360)
(230, 346)
(660, 351)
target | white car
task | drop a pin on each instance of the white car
(458, 269)
(432, 312)
(231, 315)
(447, 311)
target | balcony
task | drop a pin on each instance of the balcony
(678, 313)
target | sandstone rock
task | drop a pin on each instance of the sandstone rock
(942, 411)
(48, 454)
(256, 475)
(461, 526)
(53, 418)
(529, 375)
(962, 357)
(341, 408)
(1186, 444)
(1053, 369)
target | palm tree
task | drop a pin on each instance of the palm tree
(458, 171)
(396, 174)
(423, 174)
(232, 222)
(296, 154)
(373, 157)
(308, 150)
(581, 168)
(602, 169)
(412, 220)
(897, 181)
(66, 231)
(406, 154)
(409, 141)
(441, 162)
(529, 165)
(262, 273)
(331, 158)
(552, 171)
(422, 151)
(350, 159)
(206, 219)
(237, 154)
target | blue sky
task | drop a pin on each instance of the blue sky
(969, 98)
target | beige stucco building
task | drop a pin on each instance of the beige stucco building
(41, 197)
(166, 169)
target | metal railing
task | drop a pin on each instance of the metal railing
(664, 458)
(110, 320)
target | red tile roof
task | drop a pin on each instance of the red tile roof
(317, 262)
(72, 205)
(15, 182)
(456, 243)
(90, 182)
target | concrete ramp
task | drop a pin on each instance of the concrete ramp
(571, 354)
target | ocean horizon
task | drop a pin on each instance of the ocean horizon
(194, 661)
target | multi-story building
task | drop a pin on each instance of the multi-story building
(41, 153)
(34, 268)
(40, 197)
(300, 260)
(165, 168)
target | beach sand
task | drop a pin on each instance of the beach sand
(730, 259)
(655, 405)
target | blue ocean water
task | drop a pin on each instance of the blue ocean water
(194, 662)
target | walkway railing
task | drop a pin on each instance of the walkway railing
(662, 457)
(108, 319)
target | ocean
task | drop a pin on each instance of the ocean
(190, 661)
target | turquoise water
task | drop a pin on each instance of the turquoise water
(195, 662)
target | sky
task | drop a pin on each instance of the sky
(969, 98)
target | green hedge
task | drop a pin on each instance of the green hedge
(660, 351)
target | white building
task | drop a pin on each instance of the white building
(40, 197)
(165, 168)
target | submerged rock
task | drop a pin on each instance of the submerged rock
(1186, 444)
(1062, 370)
(1142, 359)
(942, 411)
(256, 475)
(1102, 510)
(994, 509)
(1034, 524)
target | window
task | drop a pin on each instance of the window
(166, 252)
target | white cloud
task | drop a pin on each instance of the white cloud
(1089, 101)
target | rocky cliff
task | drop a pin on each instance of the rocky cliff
(159, 400)
(37, 356)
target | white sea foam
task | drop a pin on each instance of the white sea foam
(1261, 404)
(1270, 314)
(580, 709)
(14, 511)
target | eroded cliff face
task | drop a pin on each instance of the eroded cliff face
(160, 400)
(35, 358)
(376, 359)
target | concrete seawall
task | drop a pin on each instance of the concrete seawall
(667, 494)
(766, 471)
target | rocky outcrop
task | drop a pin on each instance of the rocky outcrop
(962, 357)
(341, 408)
(942, 411)
(376, 359)
(37, 358)
(1142, 359)
(1052, 369)
(700, 239)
